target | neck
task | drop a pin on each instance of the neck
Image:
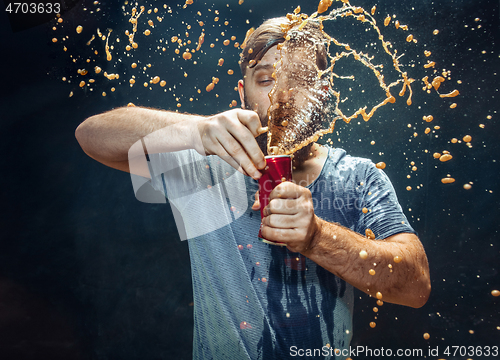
(307, 168)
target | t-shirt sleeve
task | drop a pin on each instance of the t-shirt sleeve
(384, 214)
(205, 192)
(178, 173)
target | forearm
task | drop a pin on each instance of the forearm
(121, 137)
(338, 249)
(107, 137)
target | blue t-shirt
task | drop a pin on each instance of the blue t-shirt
(258, 301)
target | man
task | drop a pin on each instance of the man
(253, 300)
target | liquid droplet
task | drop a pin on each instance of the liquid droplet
(245, 325)
(447, 180)
(369, 234)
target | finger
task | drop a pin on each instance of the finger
(282, 206)
(280, 221)
(249, 144)
(277, 234)
(238, 153)
(262, 130)
(256, 204)
(286, 190)
(222, 153)
(252, 121)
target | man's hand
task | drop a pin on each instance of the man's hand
(231, 135)
(289, 217)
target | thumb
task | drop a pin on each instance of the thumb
(256, 204)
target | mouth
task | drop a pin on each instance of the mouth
(282, 109)
(281, 119)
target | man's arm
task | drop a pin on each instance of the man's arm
(340, 251)
(108, 137)
(290, 218)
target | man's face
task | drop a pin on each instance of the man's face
(258, 83)
(254, 95)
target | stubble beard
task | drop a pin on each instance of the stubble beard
(299, 157)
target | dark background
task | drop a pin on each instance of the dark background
(89, 272)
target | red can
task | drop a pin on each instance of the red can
(278, 169)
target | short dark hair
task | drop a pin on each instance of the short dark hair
(271, 33)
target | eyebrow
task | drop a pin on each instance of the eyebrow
(262, 67)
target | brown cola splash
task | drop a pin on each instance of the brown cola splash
(301, 100)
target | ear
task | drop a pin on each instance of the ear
(241, 91)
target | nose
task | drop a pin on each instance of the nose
(285, 90)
